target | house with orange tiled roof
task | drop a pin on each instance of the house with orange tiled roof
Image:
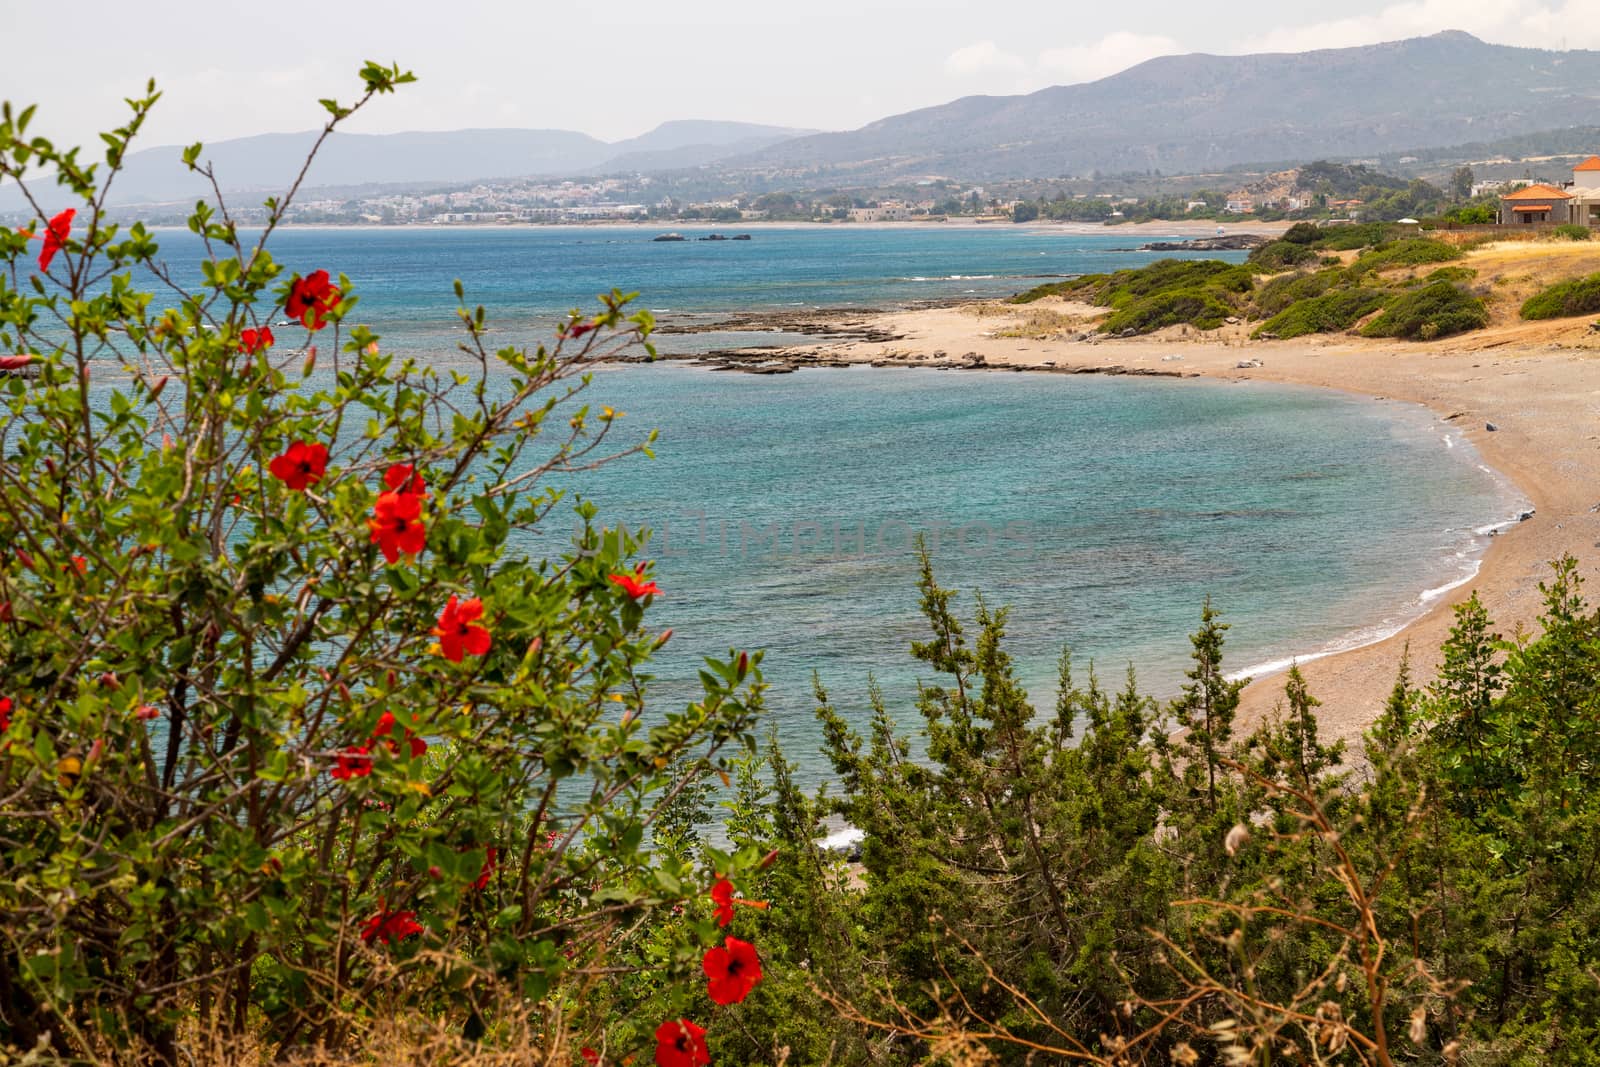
(1584, 207)
(1535, 204)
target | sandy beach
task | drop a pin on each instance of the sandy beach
(1538, 385)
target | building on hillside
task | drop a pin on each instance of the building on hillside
(886, 211)
(1536, 204)
(1240, 203)
(1584, 207)
(1347, 208)
(1195, 205)
(1491, 185)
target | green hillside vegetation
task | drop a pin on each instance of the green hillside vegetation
(1202, 308)
(1330, 313)
(1206, 293)
(1281, 255)
(1411, 252)
(1279, 293)
(1436, 310)
(1576, 296)
(1450, 274)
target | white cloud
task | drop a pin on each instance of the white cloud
(1110, 54)
(984, 57)
(1529, 23)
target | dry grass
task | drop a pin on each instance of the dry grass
(1512, 271)
(985, 309)
(1045, 324)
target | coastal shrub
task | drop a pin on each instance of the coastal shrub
(1303, 233)
(1080, 288)
(299, 746)
(1279, 293)
(1410, 252)
(1359, 901)
(1126, 287)
(1281, 255)
(1351, 237)
(1172, 275)
(1576, 296)
(1571, 231)
(1437, 310)
(1449, 274)
(1328, 313)
(1199, 308)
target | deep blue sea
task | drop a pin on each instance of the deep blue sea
(1101, 511)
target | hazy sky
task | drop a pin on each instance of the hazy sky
(617, 68)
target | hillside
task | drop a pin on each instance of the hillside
(270, 161)
(1199, 112)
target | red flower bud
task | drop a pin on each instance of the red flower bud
(768, 860)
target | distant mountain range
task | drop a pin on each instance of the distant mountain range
(1202, 112)
(270, 161)
(1177, 114)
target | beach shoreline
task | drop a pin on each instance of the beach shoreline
(1526, 401)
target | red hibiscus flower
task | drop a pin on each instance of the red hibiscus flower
(490, 855)
(253, 341)
(680, 1043)
(403, 478)
(354, 762)
(311, 299)
(55, 237)
(5, 714)
(732, 970)
(590, 1056)
(722, 899)
(385, 727)
(457, 633)
(79, 564)
(635, 585)
(391, 926)
(396, 525)
(300, 465)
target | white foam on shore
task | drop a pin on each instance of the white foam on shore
(842, 840)
(1469, 558)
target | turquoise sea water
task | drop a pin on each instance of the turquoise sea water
(526, 276)
(1102, 511)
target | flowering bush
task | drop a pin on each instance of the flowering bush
(294, 737)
